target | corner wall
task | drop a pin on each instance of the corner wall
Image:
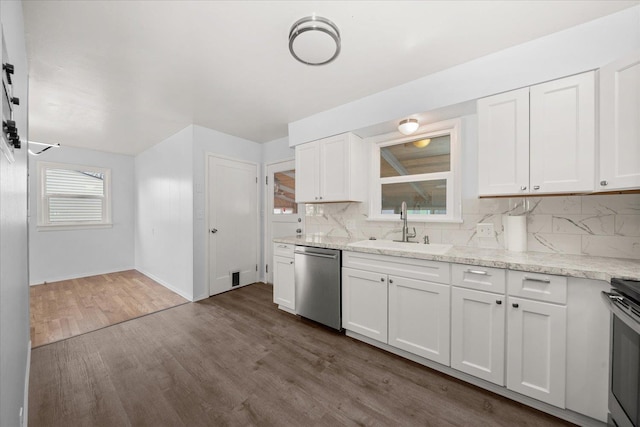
(14, 269)
(164, 212)
(66, 254)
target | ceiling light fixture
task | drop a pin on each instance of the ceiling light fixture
(408, 126)
(314, 40)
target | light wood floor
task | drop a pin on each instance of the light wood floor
(67, 308)
(236, 360)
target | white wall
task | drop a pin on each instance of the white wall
(277, 150)
(581, 48)
(64, 254)
(14, 274)
(164, 212)
(210, 141)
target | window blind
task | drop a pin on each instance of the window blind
(74, 195)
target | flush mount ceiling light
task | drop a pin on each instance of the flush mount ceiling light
(408, 126)
(314, 40)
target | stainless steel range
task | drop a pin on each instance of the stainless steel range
(624, 384)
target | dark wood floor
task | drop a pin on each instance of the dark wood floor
(68, 308)
(235, 359)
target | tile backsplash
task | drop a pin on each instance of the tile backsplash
(600, 225)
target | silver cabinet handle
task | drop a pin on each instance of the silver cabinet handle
(390, 280)
(214, 230)
(536, 187)
(382, 279)
(604, 183)
(290, 262)
(482, 273)
(282, 246)
(524, 187)
(535, 279)
(316, 254)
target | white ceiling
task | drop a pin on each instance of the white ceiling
(121, 76)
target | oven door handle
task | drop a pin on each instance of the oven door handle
(611, 298)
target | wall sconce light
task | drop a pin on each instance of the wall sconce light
(314, 40)
(408, 126)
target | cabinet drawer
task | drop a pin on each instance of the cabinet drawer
(541, 287)
(480, 278)
(283, 249)
(419, 269)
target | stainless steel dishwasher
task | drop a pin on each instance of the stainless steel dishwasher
(318, 285)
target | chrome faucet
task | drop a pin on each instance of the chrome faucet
(405, 228)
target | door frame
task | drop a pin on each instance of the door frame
(207, 227)
(265, 221)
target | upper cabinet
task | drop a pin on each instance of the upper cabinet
(331, 170)
(538, 140)
(620, 124)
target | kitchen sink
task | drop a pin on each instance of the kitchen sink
(433, 248)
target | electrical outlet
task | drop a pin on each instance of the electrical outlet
(484, 230)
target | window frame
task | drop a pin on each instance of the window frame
(453, 176)
(43, 199)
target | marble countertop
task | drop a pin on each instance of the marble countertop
(582, 266)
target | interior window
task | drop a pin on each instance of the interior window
(284, 193)
(72, 195)
(420, 170)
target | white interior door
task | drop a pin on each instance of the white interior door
(233, 223)
(284, 216)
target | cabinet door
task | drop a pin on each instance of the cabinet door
(536, 351)
(620, 124)
(478, 333)
(307, 170)
(419, 318)
(364, 303)
(284, 290)
(562, 141)
(334, 168)
(503, 138)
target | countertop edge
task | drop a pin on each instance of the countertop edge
(577, 266)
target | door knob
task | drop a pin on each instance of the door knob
(214, 230)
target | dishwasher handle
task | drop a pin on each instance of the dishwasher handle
(316, 254)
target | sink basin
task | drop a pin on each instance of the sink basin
(435, 248)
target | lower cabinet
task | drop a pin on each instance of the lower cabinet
(284, 287)
(478, 333)
(536, 354)
(364, 303)
(419, 318)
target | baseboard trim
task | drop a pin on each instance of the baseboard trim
(81, 275)
(565, 414)
(166, 285)
(25, 402)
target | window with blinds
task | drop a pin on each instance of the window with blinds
(73, 195)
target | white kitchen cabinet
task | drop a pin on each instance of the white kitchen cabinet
(619, 142)
(419, 318)
(557, 121)
(284, 289)
(478, 333)
(364, 303)
(536, 351)
(478, 321)
(503, 137)
(330, 170)
(562, 129)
